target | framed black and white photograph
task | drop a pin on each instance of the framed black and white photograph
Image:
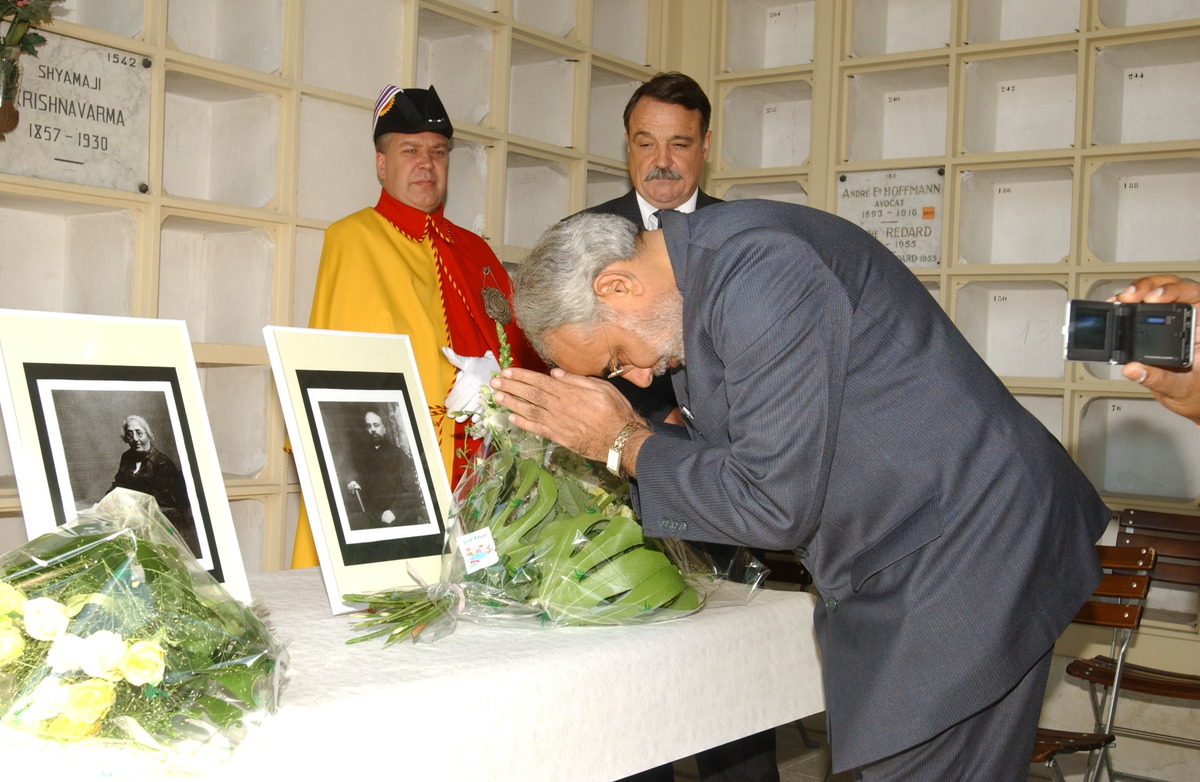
(372, 464)
(371, 472)
(93, 404)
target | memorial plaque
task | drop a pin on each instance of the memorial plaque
(901, 208)
(85, 116)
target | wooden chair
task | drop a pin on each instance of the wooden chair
(1118, 604)
(1176, 538)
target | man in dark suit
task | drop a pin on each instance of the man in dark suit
(668, 138)
(831, 407)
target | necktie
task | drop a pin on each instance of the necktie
(658, 215)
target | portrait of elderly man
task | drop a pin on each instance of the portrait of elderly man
(146, 469)
(831, 407)
(383, 490)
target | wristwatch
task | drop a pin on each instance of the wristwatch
(614, 450)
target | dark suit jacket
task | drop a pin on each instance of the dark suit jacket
(948, 533)
(656, 402)
(626, 206)
(387, 478)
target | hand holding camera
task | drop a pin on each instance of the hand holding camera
(1160, 334)
(1176, 388)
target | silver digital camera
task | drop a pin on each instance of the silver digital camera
(1161, 335)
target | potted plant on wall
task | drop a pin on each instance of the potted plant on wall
(19, 20)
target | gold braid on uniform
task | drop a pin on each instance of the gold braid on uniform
(439, 411)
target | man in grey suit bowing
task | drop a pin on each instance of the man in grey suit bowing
(831, 407)
(667, 140)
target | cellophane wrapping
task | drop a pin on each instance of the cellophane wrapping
(111, 632)
(540, 532)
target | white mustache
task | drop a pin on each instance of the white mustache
(662, 173)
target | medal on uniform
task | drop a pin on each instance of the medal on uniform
(494, 302)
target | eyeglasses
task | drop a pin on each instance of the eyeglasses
(615, 368)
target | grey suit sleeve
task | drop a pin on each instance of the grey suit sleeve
(764, 377)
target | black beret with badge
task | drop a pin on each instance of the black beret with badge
(410, 111)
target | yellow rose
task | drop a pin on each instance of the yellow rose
(101, 653)
(45, 619)
(12, 600)
(89, 701)
(12, 644)
(64, 728)
(143, 663)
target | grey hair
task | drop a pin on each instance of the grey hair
(145, 426)
(553, 286)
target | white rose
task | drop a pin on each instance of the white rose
(494, 419)
(47, 700)
(100, 655)
(45, 619)
(65, 654)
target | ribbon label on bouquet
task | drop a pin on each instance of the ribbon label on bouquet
(478, 549)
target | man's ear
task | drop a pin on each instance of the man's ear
(615, 285)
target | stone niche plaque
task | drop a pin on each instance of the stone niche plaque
(901, 208)
(85, 116)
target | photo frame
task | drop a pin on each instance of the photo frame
(91, 403)
(371, 471)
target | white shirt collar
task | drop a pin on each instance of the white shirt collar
(648, 209)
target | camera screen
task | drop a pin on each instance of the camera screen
(1089, 329)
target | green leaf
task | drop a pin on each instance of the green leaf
(31, 42)
(239, 680)
(222, 713)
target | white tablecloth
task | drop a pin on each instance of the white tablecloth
(506, 702)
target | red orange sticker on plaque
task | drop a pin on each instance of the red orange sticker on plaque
(900, 207)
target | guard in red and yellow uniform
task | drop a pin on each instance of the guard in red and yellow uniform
(402, 268)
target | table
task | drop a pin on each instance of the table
(502, 701)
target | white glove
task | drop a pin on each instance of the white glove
(473, 374)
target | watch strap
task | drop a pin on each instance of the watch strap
(614, 450)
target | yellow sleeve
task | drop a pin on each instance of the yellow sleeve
(372, 278)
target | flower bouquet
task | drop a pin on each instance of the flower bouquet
(110, 631)
(538, 531)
